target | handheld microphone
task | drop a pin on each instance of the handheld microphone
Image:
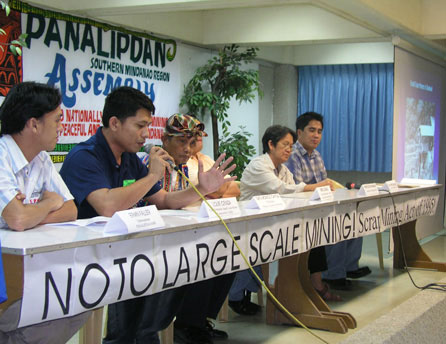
(350, 185)
(147, 149)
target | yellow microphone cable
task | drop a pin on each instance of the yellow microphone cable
(282, 307)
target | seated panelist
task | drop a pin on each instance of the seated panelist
(105, 176)
(226, 190)
(265, 174)
(202, 300)
(32, 191)
(306, 165)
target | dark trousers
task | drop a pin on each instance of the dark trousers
(317, 260)
(204, 300)
(138, 320)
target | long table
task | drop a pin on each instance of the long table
(60, 271)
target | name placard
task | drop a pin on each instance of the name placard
(368, 190)
(390, 186)
(225, 207)
(134, 220)
(322, 193)
(265, 203)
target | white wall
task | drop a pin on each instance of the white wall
(323, 54)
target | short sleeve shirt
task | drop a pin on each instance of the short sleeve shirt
(306, 168)
(29, 178)
(91, 166)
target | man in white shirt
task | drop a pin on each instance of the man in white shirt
(32, 192)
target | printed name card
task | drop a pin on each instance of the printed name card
(322, 193)
(225, 207)
(266, 202)
(134, 220)
(368, 190)
(390, 186)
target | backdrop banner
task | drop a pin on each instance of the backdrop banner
(86, 60)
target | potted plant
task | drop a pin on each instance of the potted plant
(211, 88)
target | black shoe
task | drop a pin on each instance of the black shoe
(339, 283)
(241, 307)
(191, 335)
(215, 334)
(358, 273)
(251, 305)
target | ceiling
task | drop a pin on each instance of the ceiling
(273, 24)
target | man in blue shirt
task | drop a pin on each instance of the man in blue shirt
(105, 176)
(307, 166)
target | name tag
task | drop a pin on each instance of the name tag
(322, 193)
(266, 203)
(225, 207)
(368, 190)
(390, 186)
(134, 220)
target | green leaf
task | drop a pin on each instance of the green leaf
(13, 49)
(7, 10)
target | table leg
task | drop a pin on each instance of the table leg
(91, 332)
(294, 290)
(415, 255)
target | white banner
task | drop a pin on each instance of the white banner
(68, 282)
(86, 60)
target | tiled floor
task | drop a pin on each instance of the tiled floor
(372, 297)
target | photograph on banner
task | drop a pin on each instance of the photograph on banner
(85, 60)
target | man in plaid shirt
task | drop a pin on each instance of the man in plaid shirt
(307, 166)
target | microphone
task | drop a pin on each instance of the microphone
(350, 185)
(147, 149)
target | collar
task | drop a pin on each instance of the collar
(303, 151)
(196, 157)
(102, 142)
(19, 158)
(271, 164)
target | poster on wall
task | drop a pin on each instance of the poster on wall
(85, 60)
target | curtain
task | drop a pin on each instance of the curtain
(357, 104)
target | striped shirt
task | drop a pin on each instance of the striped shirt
(306, 168)
(29, 178)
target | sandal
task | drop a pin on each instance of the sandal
(327, 295)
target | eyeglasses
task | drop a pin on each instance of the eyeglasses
(285, 145)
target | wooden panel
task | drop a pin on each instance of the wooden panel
(13, 267)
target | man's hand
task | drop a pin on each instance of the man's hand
(55, 200)
(158, 162)
(211, 180)
(20, 197)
